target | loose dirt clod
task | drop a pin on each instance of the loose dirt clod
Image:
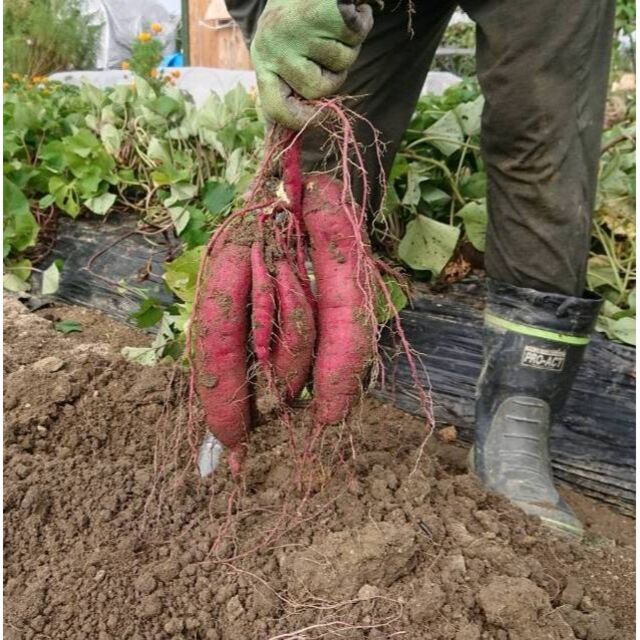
(102, 543)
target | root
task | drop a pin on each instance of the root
(339, 129)
(316, 454)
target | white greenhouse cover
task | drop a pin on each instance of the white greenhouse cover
(199, 82)
(123, 20)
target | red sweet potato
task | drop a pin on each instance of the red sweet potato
(221, 330)
(263, 306)
(345, 327)
(293, 349)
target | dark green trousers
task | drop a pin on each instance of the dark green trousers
(543, 68)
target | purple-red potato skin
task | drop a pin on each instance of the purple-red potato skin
(345, 330)
(295, 338)
(263, 306)
(222, 334)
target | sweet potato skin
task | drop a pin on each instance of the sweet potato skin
(263, 306)
(345, 330)
(221, 325)
(295, 339)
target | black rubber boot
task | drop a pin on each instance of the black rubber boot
(534, 343)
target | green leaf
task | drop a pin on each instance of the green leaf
(474, 187)
(218, 197)
(16, 275)
(212, 114)
(470, 114)
(474, 217)
(65, 195)
(67, 326)
(181, 274)
(391, 200)
(92, 94)
(150, 119)
(622, 329)
(20, 268)
(11, 282)
(415, 175)
(51, 278)
(433, 196)
(147, 356)
(196, 231)
(101, 204)
(20, 227)
(108, 115)
(159, 150)
(446, 134)
(610, 310)
(46, 201)
(144, 91)
(149, 314)
(180, 192)
(180, 216)
(238, 100)
(164, 344)
(165, 106)
(111, 138)
(384, 310)
(600, 273)
(82, 143)
(233, 170)
(631, 300)
(427, 244)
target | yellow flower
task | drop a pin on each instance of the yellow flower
(15, 76)
(5, 85)
(126, 65)
(144, 36)
(156, 27)
(175, 74)
(153, 73)
(36, 79)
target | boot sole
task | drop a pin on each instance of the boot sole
(556, 526)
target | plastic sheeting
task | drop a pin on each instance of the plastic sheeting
(122, 21)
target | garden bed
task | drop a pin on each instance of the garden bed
(593, 445)
(90, 551)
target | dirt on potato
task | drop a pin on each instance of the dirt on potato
(109, 535)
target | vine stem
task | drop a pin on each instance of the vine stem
(442, 166)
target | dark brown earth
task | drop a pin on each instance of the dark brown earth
(104, 540)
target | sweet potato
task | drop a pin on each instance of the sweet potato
(221, 330)
(293, 349)
(345, 326)
(263, 306)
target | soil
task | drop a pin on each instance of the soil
(108, 534)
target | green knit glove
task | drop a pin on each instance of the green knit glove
(305, 47)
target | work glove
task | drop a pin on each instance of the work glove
(303, 49)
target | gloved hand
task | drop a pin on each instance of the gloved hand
(305, 47)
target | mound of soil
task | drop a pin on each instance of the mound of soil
(109, 535)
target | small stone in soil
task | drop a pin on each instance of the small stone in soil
(50, 364)
(145, 584)
(572, 593)
(448, 434)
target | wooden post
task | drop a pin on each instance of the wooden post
(214, 39)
